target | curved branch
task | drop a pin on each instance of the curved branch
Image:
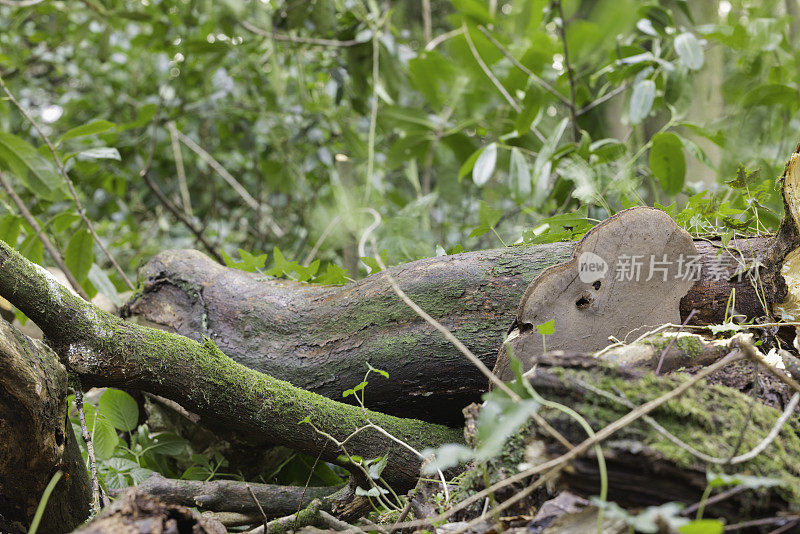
(104, 349)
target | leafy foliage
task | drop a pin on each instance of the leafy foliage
(613, 106)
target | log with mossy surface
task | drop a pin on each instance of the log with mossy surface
(105, 350)
(320, 337)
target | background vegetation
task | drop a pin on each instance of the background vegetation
(269, 127)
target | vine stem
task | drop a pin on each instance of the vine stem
(562, 31)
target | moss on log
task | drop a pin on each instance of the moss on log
(105, 350)
(319, 338)
(36, 438)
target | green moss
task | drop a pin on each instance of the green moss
(710, 418)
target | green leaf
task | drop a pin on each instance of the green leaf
(9, 229)
(79, 255)
(548, 328)
(104, 438)
(103, 284)
(168, 444)
(377, 466)
(771, 94)
(544, 162)
(120, 409)
(488, 218)
(372, 263)
(94, 127)
(703, 526)
(469, 164)
(520, 173)
(644, 93)
(250, 262)
(667, 162)
(690, 51)
(484, 166)
(474, 9)
(34, 171)
(104, 152)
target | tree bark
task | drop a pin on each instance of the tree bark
(36, 439)
(320, 338)
(105, 350)
(234, 496)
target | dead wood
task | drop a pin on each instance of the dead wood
(233, 495)
(105, 350)
(138, 513)
(320, 338)
(36, 438)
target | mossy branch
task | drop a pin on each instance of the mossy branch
(105, 350)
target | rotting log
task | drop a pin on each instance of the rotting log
(233, 495)
(137, 512)
(105, 350)
(319, 338)
(36, 439)
(645, 467)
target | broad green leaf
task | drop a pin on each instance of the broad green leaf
(120, 409)
(103, 284)
(690, 51)
(520, 172)
(104, 438)
(644, 93)
(105, 152)
(79, 255)
(548, 328)
(667, 162)
(469, 164)
(35, 171)
(772, 94)
(94, 127)
(447, 456)
(168, 444)
(702, 526)
(544, 164)
(484, 166)
(9, 229)
(33, 249)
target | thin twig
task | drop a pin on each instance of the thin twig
(260, 509)
(439, 39)
(603, 434)
(562, 31)
(233, 182)
(48, 245)
(427, 28)
(591, 105)
(672, 341)
(297, 40)
(167, 203)
(186, 200)
(87, 439)
(755, 451)
(70, 185)
(489, 74)
(538, 79)
(373, 110)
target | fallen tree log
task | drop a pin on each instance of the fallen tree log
(233, 495)
(320, 338)
(37, 439)
(105, 350)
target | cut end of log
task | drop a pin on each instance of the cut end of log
(627, 274)
(787, 243)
